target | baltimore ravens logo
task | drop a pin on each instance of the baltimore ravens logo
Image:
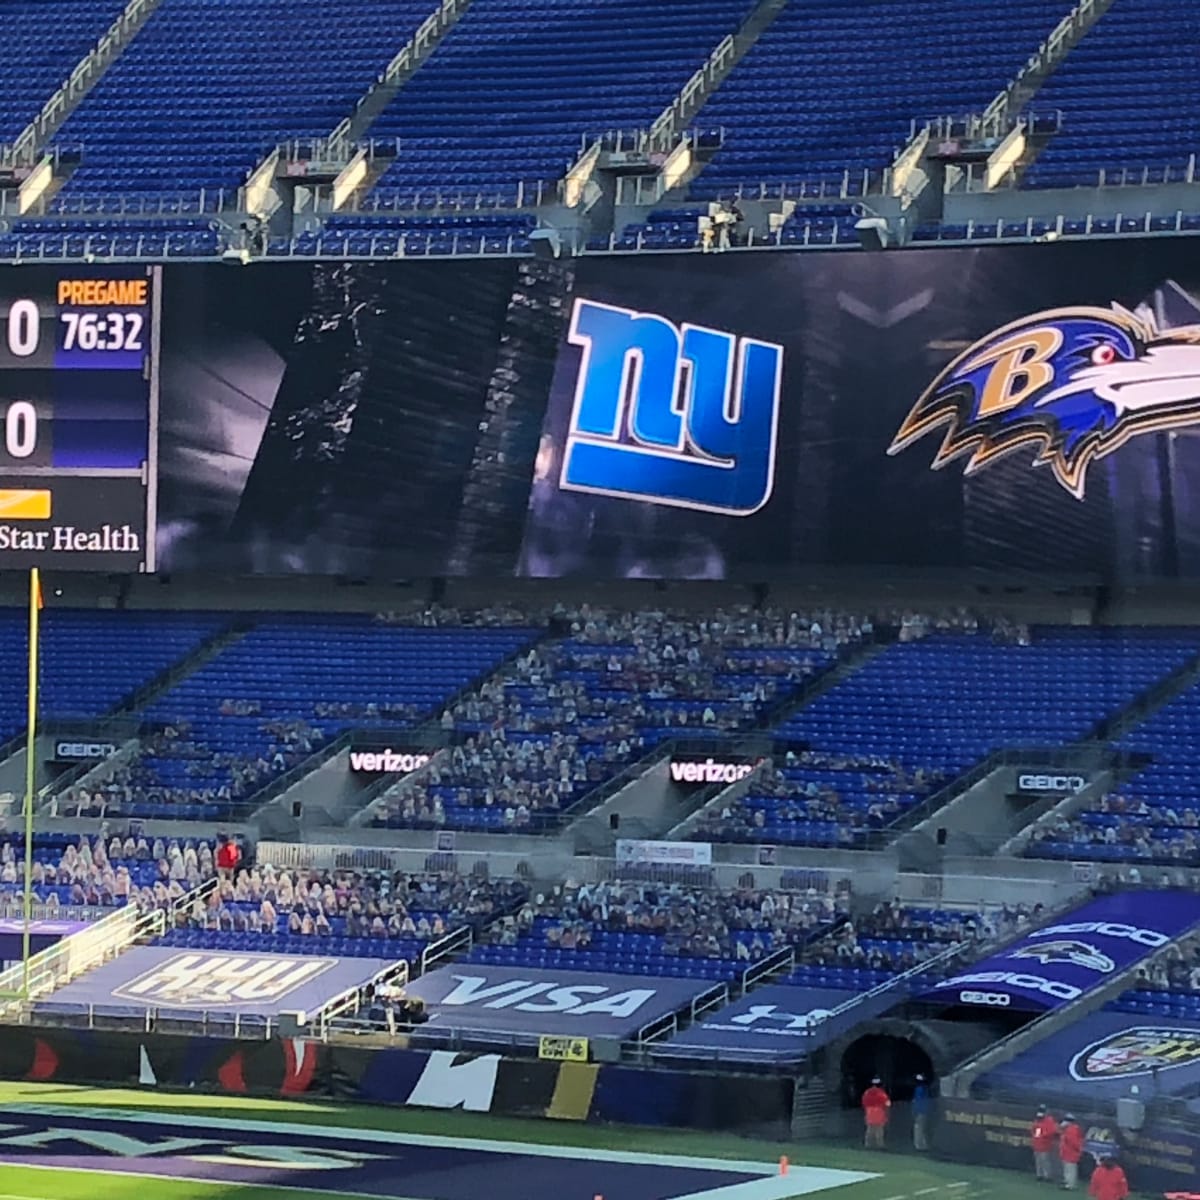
(1078, 954)
(1137, 1052)
(1073, 383)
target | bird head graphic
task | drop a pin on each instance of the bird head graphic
(1074, 384)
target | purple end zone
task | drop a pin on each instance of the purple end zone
(325, 1161)
(215, 981)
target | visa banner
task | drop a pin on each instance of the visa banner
(1065, 959)
(774, 1022)
(519, 1001)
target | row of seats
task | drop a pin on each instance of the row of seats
(283, 690)
(517, 87)
(92, 661)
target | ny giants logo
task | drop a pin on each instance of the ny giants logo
(1075, 384)
(676, 415)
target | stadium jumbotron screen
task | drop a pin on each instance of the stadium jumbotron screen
(1026, 408)
(78, 398)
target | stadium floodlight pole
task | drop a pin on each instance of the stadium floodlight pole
(35, 606)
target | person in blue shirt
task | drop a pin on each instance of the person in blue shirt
(922, 1103)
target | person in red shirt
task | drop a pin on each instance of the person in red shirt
(1070, 1151)
(1108, 1181)
(876, 1105)
(228, 858)
(1043, 1138)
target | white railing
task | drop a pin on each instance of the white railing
(458, 942)
(1046, 56)
(350, 1002)
(292, 857)
(691, 95)
(80, 952)
(84, 76)
(116, 207)
(44, 912)
(408, 58)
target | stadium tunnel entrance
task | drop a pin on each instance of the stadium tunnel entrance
(896, 1060)
(899, 1050)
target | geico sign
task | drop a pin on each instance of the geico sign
(709, 771)
(1014, 979)
(386, 762)
(1150, 938)
(1051, 783)
(82, 750)
(992, 999)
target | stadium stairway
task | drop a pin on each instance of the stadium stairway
(1114, 731)
(49, 43)
(1020, 141)
(351, 167)
(917, 832)
(320, 792)
(714, 798)
(86, 774)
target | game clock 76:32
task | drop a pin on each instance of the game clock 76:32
(78, 416)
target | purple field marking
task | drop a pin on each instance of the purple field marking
(327, 1160)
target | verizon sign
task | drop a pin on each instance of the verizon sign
(387, 762)
(708, 770)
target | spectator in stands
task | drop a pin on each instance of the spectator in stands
(1043, 1139)
(229, 857)
(876, 1106)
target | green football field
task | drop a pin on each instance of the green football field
(135, 1160)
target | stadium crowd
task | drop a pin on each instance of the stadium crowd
(572, 712)
(693, 922)
(896, 937)
(372, 904)
(106, 871)
(807, 799)
(1151, 834)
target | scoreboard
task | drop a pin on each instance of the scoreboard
(78, 417)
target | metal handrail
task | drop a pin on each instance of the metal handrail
(455, 942)
(350, 1001)
(86, 72)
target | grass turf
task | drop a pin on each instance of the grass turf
(900, 1175)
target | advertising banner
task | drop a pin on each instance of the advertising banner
(69, 750)
(631, 852)
(1102, 1055)
(773, 1022)
(165, 978)
(699, 772)
(1042, 783)
(997, 408)
(1061, 961)
(371, 762)
(514, 1001)
(1156, 1158)
(563, 1049)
